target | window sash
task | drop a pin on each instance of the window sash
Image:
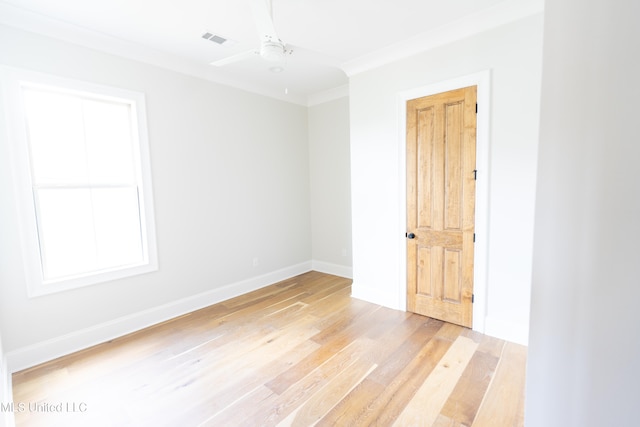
(79, 138)
(76, 245)
(28, 190)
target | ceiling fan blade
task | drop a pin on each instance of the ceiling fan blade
(235, 58)
(263, 15)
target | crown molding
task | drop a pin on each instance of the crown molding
(486, 19)
(328, 95)
(500, 14)
(26, 20)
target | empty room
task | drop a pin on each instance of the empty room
(332, 213)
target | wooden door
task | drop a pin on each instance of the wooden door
(441, 158)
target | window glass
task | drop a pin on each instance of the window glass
(84, 190)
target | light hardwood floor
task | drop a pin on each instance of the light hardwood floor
(297, 353)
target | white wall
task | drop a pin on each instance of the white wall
(513, 55)
(585, 343)
(231, 182)
(6, 418)
(330, 186)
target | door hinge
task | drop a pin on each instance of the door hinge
(476, 108)
(475, 174)
(474, 237)
(473, 298)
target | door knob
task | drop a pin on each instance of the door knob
(411, 236)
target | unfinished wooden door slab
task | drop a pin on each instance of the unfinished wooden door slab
(441, 158)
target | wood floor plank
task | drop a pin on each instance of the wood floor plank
(376, 403)
(396, 334)
(351, 407)
(331, 286)
(339, 305)
(325, 399)
(402, 357)
(450, 331)
(342, 333)
(218, 397)
(278, 407)
(464, 401)
(301, 352)
(235, 415)
(273, 408)
(426, 404)
(503, 404)
(347, 325)
(487, 344)
(443, 421)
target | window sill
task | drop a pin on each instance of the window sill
(66, 284)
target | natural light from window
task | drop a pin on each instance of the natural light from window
(84, 182)
(85, 185)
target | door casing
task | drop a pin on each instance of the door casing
(482, 80)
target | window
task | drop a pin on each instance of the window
(83, 180)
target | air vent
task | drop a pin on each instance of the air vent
(218, 39)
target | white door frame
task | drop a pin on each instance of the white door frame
(480, 269)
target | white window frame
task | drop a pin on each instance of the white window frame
(11, 82)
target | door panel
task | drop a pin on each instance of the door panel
(441, 139)
(453, 166)
(452, 289)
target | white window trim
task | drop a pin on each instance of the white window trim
(10, 84)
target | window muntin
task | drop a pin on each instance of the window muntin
(85, 165)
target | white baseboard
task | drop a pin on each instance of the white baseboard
(6, 393)
(32, 355)
(335, 269)
(505, 330)
(384, 299)
(498, 328)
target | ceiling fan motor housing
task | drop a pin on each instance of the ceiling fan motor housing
(272, 51)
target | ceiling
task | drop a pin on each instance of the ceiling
(353, 34)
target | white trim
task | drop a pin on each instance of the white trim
(335, 269)
(6, 419)
(482, 80)
(373, 296)
(507, 330)
(484, 20)
(12, 80)
(328, 95)
(26, 357)
(26, 20)
(500, 14)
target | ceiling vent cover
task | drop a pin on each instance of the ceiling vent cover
(218, 39)
(214, 38)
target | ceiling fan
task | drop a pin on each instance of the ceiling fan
(272, 48)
